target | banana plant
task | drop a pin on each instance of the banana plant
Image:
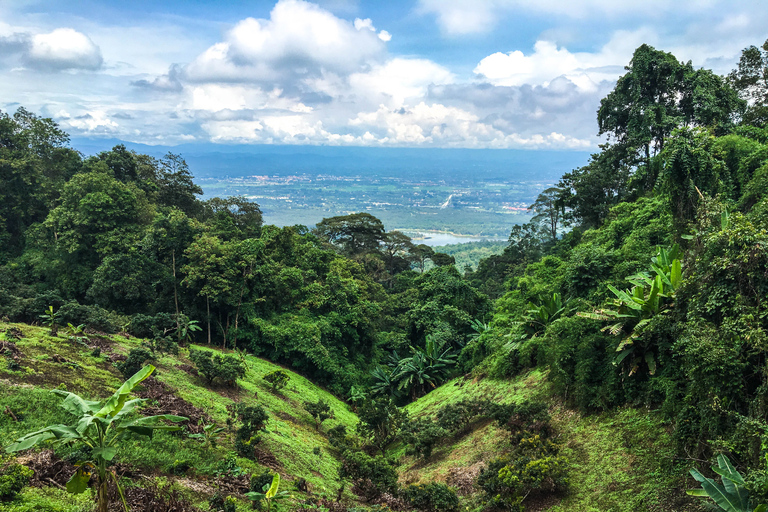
(632, 310)
(101, 426)
(731, 495)
(270, 494)
(51, 319)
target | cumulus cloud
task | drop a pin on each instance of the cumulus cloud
(60, 49)
(63, 48)
(548, 61)
(300, 40)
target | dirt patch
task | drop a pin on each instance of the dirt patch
(463, 479)
(9, 349)
(150, 498)
(287, 417)
(95, 341)
(233, 485)
(49, 469)
(266, 459)
(191, 370)
(165, 401)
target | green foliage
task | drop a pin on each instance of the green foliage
(432, 497)
(103, 426)
(13, 478)
(252, 421)
(370, 476)
(270, 494)
(320, 411)
(51, 318)
(731, 495)
(278, 379)
(135, 361)
(533, 467)
(226, 368)
(422, 436)
(380, 421)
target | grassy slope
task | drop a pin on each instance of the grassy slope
(291, 436)
(619, 461)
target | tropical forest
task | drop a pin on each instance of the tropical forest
(167, 352)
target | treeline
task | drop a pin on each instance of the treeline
(642, 279)
(120, 241)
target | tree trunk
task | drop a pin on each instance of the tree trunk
(176, 297)
(208, 308)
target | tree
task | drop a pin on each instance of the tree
(750, 79)
(233, 218)
(441, 259)
(102, 427)
(421, 253)
(641, 111)
(380, 421)
(353, 234)
(320, 411)
(396, 246)
(549, 210)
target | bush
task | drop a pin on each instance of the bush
(422, 436)
(320, 411)
(278, 378)
(215, 366)
(433, 497)
(253, 420)
(148, 326)
(371, 476)
(134, 362)
(534, 466)
(13, 478)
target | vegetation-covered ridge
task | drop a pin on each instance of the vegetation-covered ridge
(616, 344)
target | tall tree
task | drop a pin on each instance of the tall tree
(549, 210)
(750, 79)
(353, 234)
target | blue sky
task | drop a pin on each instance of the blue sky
(417, 73)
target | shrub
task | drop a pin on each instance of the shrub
(253, 420)
(534, 466)
(433, 497)
(215, 366)
(422, 436)
(134, 362)
(13, 478)
(370, 476)
(278, 378)
(320, 411)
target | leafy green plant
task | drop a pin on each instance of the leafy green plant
(278, 378)
(209, 434)
(51, 318)
(380, 421)
(320, 411)
(102, 426)
(13, 478)
(427, 367)
(632, 310)
(370, 476)
(270, 494)
(432, 497)
(134, 362)
(253, 419)
(227, 368)
(731, 495)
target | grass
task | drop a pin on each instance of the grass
(291, 434)
(621, 461)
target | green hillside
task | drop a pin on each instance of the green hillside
(291, 444)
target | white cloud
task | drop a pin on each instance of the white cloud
(549, 61)
(92, 122)
(299, 40)
(385, 36)
(398, 80)
(64, 48)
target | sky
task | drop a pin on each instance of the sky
(526, 74)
